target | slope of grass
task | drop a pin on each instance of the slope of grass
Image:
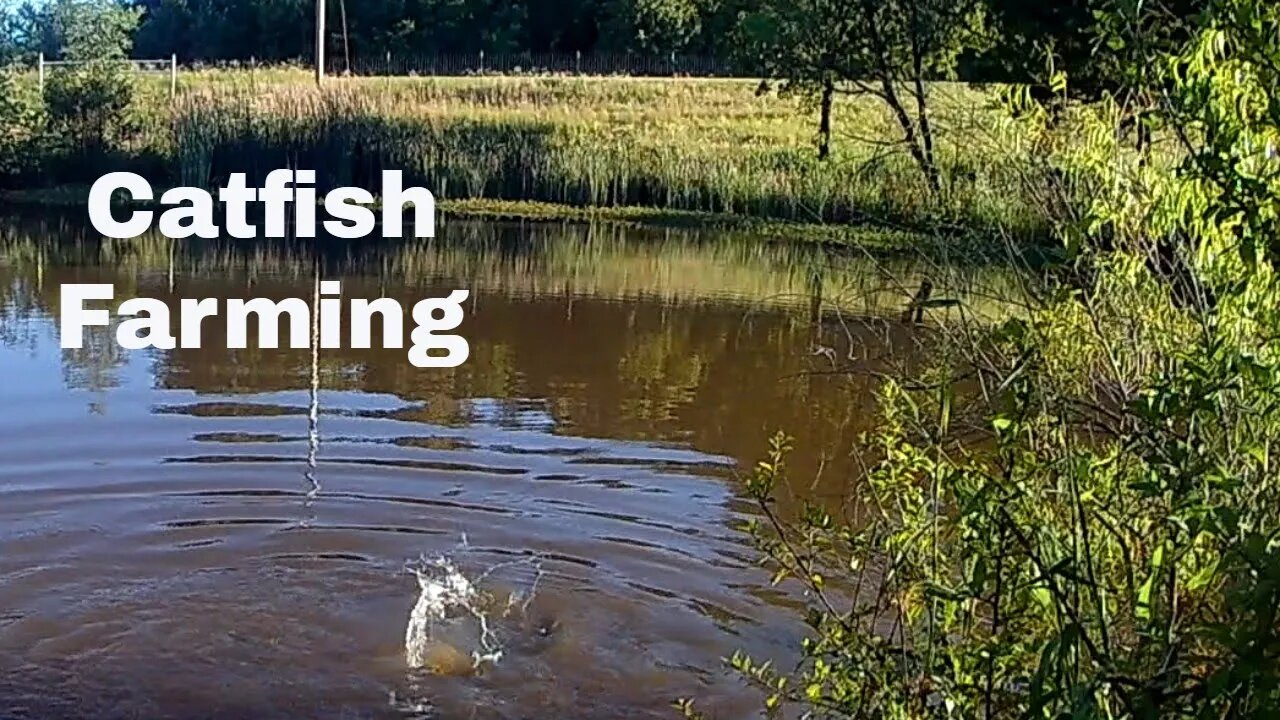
(707, 146)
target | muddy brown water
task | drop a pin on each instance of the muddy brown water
(179, 538)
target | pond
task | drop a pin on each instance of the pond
(232, 533)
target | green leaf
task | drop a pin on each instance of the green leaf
(1143, 609)
(1202, 577)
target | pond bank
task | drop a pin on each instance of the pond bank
(715, 148)
(865, 238)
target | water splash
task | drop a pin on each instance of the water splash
(444, 594)
(454, 612)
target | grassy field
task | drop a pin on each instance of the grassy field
(702, 146)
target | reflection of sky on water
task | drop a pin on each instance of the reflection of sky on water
(522, 413)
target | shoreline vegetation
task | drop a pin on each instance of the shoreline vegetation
(877, 240)
(695, 153)
(675, 266)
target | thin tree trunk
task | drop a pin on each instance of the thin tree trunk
(921, 149)
(824, 121)
(910, 135)
(930, 165)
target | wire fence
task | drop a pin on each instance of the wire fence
(167, 66)
(455, 64)
(480, 63)
(163, 65)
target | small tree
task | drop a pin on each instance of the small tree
(887, 49)
(87, 100)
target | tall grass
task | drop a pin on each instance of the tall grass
(696, 145)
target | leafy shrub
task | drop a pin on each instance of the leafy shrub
(21, 123)
(1111, 548)
(87, 100)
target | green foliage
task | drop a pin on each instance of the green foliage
(658, 25)
(27, 30)
(1067, 33)
(9, 48)
(267, 29)
(21, 121)
(1112, 548)
(87, 100)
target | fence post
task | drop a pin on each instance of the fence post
(41, 73)
(481, 62)
(577, 62)
(173, 76)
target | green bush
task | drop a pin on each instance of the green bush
(85, 105)
(1109, 547)
(87, 100)
(21, 123)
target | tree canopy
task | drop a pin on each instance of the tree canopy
(1022, 36)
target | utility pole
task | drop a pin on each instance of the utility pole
(319, 42)
(346, 40)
